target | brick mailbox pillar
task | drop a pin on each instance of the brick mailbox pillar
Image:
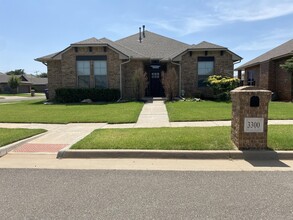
(250, 117)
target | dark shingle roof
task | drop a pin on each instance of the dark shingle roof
(29, 79)
(90, 41)
(4, 78)
(153, 46)
(206, 45)
(282, 50)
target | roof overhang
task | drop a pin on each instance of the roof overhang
(243, 67)
(178, 57)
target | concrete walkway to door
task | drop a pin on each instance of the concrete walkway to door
(153, 114)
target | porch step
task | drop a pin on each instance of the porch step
(149, 99)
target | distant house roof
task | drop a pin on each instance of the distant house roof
(152, 46)
(4, 78)
(285, 49)
(25, 79)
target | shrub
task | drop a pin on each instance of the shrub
(13, 83)
(222, 85)
(170, 84)
(71, 95)
(140, 83)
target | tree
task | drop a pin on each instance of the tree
(140, 83)
(13, 83)
(16, 72)
(42, 75)
(222, 85)
(170, 83)
(288, 66)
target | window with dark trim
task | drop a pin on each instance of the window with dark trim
(83, 74)
(205, 68)
(92, 65)
(250, 77)
(100, 72)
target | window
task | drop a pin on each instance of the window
(92, 71)
(100, 72)
(250, 77)
(83, 74)
(205, 69)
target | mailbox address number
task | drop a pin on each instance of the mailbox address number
(253, 125)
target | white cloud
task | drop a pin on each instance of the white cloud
(221, 12)
(251, 10)
(266, 41)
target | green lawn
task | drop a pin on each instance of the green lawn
(9, 135)
(213, 138)
(37, 112)
(23, 94)
(209, 110)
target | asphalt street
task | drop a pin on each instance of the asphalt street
(108, 194)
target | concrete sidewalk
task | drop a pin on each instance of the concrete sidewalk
(153, 114)
(63, 136)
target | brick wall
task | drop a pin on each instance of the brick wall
(269, 75)
(241, 109)
(54, 77)
(63, 73)
(223, 65)
(128, 70)
(283, 83)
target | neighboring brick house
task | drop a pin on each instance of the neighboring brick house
(103, 63)
(265, 71)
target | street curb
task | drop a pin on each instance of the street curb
(7, 148)
(173, 154)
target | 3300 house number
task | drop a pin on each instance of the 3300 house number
(253, 125)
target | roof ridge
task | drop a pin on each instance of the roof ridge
(123, 46)
(146, 31)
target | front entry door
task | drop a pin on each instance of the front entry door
(156, 87)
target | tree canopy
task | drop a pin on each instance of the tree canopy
(288, 65)
(16, 72)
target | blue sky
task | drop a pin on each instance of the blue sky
(34, 28)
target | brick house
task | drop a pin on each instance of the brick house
(103, 63)
(265, 72)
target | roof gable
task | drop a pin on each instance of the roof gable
(90, 41)
(153, 46)
(279, 51)
(206, 45)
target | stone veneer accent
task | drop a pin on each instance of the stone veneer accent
(241, 109)
(223, 65)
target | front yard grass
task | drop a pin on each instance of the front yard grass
(212, 138)
(37, 112)
(23, 94)
(209, 110)
(9, 135)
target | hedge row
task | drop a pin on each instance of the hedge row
(71, 95)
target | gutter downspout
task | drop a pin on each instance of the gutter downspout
(179, 65)
(121, 78)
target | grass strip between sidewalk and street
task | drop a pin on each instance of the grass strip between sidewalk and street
(196, 138)
(10, 135)
(214, 111)
(37, 112)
